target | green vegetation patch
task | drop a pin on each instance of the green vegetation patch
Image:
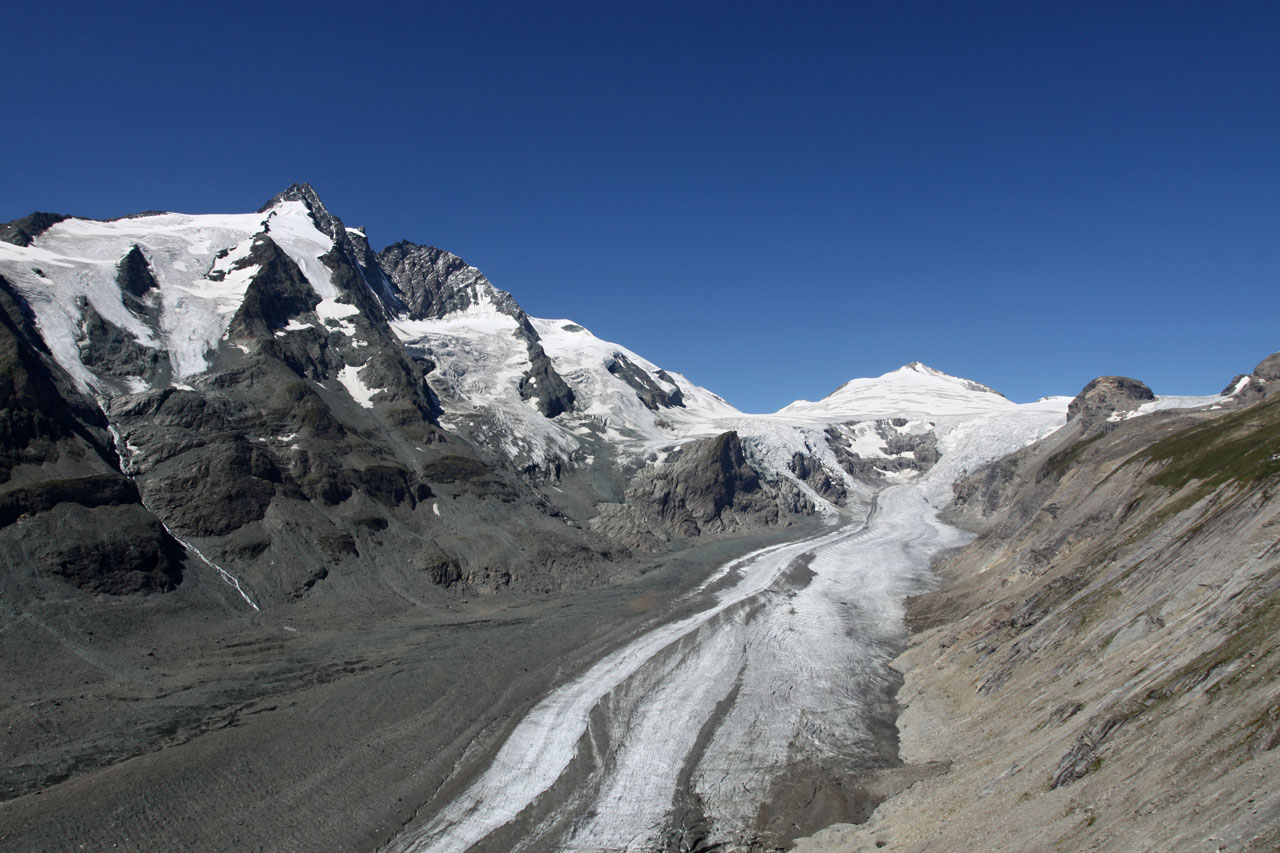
(1243, 446)
(1057, 464)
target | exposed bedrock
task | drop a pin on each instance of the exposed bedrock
(1106, 396)
(703, 487)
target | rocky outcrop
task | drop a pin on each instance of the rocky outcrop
(653, 395)
(898, 449)
(116, 548)
(21, 232)
(541, 384)
(1099, 670)
(1264, 381)
(111, 352)
(811, 472)
(1106, 396)
(701, 488)
(134, 276)
(433, 283)
(278, 293)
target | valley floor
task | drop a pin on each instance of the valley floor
(757, 713)
(308, 728)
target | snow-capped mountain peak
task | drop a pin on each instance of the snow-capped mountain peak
(197, 271)
(142, 304)
(913, 389)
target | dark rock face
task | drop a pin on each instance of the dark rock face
(905, 451)
(134, 276)
(110, 351)
(653, 395)
(35, 495)
(811, 472)
(431, 283)
(709, 477)
(1269, 368)
(675, 396)
(40, 416)
(21, 232)
(65, 510)
(1105, 396)
(704, 487)
(112, 549)
(278, 293)
(543, 385)
(1263, 382)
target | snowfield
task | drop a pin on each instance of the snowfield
(77, 259)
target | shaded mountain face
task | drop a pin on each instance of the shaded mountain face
(65, 510)
(236, 381)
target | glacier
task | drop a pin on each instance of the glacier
(780, 666)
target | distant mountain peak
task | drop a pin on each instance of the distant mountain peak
(302, 192)
(922, 369)
(912, 388)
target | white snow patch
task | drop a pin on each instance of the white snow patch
(1164, 403)
(293, 325)
(349, 376)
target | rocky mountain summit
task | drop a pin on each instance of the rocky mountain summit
(1105, 397)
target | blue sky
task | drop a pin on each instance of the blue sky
(771, 198)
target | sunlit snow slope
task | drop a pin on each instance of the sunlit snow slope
(199, 264)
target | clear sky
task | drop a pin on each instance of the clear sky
(772, 198)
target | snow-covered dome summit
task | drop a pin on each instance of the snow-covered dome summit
(913, 389)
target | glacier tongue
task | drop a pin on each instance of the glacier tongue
(692, 727)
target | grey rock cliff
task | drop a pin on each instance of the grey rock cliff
(1106, 396)
(21, 232)
(1263, 382)
(704, 487)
